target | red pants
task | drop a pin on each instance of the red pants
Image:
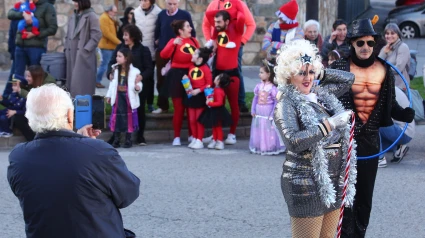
(196, 128)
(232, 92)
(178, 116)
(217, 133)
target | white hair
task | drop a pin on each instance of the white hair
(47, 108)
(289, 60)
(309, 23)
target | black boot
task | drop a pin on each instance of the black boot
(128, 143)
(111, 140)
(117, 137)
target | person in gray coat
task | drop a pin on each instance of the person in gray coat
(68, 184)
(81, 40)
(397, 53)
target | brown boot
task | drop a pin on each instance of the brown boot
(99, 85)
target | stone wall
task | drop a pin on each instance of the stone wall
(263, 11)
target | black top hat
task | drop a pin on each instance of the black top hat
(360, 28)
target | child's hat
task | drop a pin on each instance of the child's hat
(16, 79)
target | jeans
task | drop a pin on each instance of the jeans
(389, 135)
(241, 95)
(27, 56)
(106, 57)
(8, 88)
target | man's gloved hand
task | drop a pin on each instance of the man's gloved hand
(339, 120)
(407, 115)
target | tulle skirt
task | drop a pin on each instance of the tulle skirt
(265, 139)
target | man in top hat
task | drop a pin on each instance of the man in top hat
(284, 30)
(372, 98)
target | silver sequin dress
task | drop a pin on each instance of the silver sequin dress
(300, 190)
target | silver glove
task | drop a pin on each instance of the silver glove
(339, 120)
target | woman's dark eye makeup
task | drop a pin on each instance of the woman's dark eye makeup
(304, 73)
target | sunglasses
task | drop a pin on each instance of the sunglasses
(370, 43)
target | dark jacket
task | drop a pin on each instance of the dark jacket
(141, 59)
(15, 102)
(328, 47)
(67, 192)
(390, 107)
(46, 14)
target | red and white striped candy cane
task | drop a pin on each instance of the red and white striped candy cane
(347, 169)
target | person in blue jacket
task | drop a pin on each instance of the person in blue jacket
(68, 184)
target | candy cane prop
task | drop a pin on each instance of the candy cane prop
(347, 169)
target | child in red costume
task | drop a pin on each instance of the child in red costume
(226, 59)
(179, 50)
(200, 78)
(217, 116)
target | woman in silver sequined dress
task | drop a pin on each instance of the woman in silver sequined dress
(315, 128)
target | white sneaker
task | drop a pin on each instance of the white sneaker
(219, 145)
(6, 134)
(231, 139)
(176, 141)
(157, 111)
(382, 163)
(207, 139)
(400, 153)
(191, 143)
(190, 139)
(198, 144)
(212, 144)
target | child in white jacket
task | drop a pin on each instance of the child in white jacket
(122, 95)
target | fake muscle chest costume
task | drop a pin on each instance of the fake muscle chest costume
(372, 98)
(226, 58)
(200, 78)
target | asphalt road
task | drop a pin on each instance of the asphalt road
(232, 193)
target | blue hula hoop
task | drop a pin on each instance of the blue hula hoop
(405, 126)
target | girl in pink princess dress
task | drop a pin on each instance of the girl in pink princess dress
(264, 137)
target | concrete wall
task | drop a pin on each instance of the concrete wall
(263, 11)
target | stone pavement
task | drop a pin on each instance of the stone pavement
(232, 193)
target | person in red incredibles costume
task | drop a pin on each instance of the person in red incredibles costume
(200, 78)
(179, 50)
(227, 43)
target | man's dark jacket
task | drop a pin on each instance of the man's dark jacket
(46, 14)
(368, 143)
(71, 186)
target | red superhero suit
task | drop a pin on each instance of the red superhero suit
(200, 78)
(181, 56)
(226, 59)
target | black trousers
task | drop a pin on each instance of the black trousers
(149, 83)
(21, 123)
(356, 219)
(141, 114)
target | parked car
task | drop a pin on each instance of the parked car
(407, 2)
(410, 20)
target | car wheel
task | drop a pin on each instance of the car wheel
(409, 30)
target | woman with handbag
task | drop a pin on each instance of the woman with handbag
(179, 50)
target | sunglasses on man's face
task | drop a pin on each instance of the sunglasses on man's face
(370, 43)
